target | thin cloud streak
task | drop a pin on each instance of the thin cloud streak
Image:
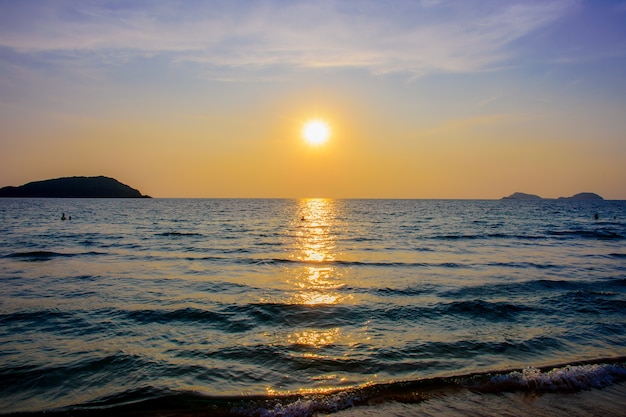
(484, 121)
(401, 37)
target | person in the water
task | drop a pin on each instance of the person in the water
(63, 216)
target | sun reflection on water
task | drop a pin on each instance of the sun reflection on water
(315, 238)
(314, 338)
(317, 280)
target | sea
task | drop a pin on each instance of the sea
(312, 307)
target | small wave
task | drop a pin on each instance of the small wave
(335, 262)
(279, 314)
(363, 239)
(235, 318)
(539, 286)
(234, 251)
(587, 234)
(492, 311)
(242, 260)
(54, 373)
(601, 234)
(38, 255)
(404, 292)
(222, 320)
(228, 287)
(46, 255)
(35, 317)
(619, 282)
(589, 301)
(566, 378)
(524, 265)
(458, 237)
(268, 243)
(178, 234)
(487, 236)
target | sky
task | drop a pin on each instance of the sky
(423, 99)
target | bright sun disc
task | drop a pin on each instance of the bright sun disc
(316, 132)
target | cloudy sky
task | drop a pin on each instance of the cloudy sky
(424, 99)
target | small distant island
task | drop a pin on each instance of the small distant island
(576, 197)
(522, 196)
(74, 187)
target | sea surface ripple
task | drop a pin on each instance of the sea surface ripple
(244, 300)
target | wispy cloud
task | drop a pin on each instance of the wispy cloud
(456, 126)
(400, 36)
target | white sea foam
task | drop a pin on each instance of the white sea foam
(307, 405)
(567, 378)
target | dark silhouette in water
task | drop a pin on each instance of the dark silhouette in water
(63, 216)
(522, 196)
(576, 197)
(583, 197)
(74, 187)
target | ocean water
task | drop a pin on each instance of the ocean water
(310, 307)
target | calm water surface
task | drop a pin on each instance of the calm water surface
(234, 300)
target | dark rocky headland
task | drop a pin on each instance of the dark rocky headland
(74, 187)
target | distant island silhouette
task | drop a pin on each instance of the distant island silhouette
(522, 196)
(73, 187)
(576, 197)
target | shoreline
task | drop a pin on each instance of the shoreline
(529, 391)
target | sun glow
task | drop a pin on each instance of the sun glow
(316, 132)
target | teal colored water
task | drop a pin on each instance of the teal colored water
(317, 304)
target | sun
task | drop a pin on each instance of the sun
(316, 132)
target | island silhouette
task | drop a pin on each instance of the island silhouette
(576, 197)
(73, 187)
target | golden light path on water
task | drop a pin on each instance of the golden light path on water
(317, 283)
(316, 245)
